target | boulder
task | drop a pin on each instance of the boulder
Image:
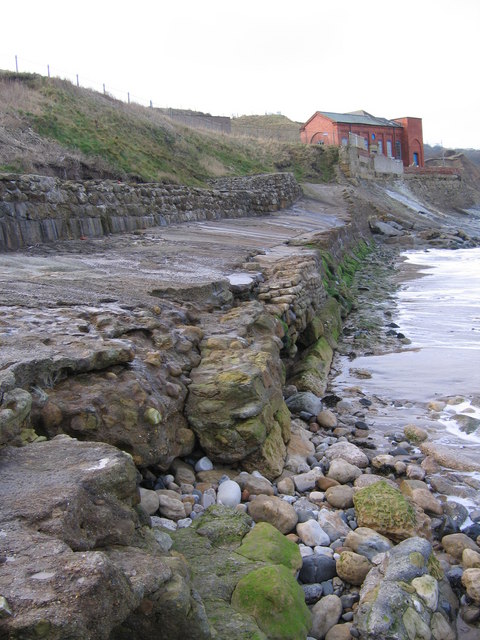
(149, 501)
(307, 481)
(471, 582)
(342, 471)
(273, 597)
(277, 512)
(312, 534)
(325, 614)
(254, 485)
(235, 405)
(367, 542)
(264, 543)
(68, 517)
(455, 543)
(327, 419)
(387, 510)
(317, 568)
(340, 497)
(333, 524)
(304, 402)
(352, 567)
(349, 452)
(404, 594)
(299, 448)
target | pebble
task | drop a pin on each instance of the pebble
(229, 493)
(204, 464)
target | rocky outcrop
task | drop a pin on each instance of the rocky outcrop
(235, 403)
(406, 596)
(37, 209)
(246, 581)
(77, 560)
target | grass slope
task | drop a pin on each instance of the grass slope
(134, 142)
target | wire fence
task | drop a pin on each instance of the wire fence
(20, 64)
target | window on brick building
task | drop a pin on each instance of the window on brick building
(398, 150)
(344, 142)
(389, 148)
(380, 146)
(365, 143)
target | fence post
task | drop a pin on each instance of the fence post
(77, 81)
(151, 105)
(48, 70)
(128, 95)
(16, 64)
(104, 89)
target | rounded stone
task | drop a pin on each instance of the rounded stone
(339, 632)
(286, 487)
(367, 542)
(204, 464)
(340, 497)
(149, 501)
(455, 543)
(317, 568)
(349, 452)
(471, 559)
(471, 582)
(277, 512)
(342, 471)
(352, 567)
(325, 614)
(327, 419)
(229, 493)
(312, 534)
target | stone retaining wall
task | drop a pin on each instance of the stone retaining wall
(38, 209)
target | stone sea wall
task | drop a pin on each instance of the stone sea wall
(38, 209)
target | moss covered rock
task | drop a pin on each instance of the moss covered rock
(311, 372)
(387, 511)
(235, 404)
(223, 526)
(267, 544)
(277, 602)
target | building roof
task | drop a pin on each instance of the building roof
(357, 117)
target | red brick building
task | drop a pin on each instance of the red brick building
(401, 138)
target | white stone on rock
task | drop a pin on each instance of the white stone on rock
(184, 523)
(323, 551)
(229, 493)
(325, 614)
(204, 464)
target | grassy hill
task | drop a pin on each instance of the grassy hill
(52, 127)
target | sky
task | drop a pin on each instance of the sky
(392, 58)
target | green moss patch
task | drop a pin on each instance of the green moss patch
(266, 544)
(277, 602)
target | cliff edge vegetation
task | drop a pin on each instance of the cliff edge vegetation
(51, 127)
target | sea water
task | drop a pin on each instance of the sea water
(439, 311)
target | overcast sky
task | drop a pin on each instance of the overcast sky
(392, 58)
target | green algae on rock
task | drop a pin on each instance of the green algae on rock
(266, 544)
(276, 601)
(386, 510)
